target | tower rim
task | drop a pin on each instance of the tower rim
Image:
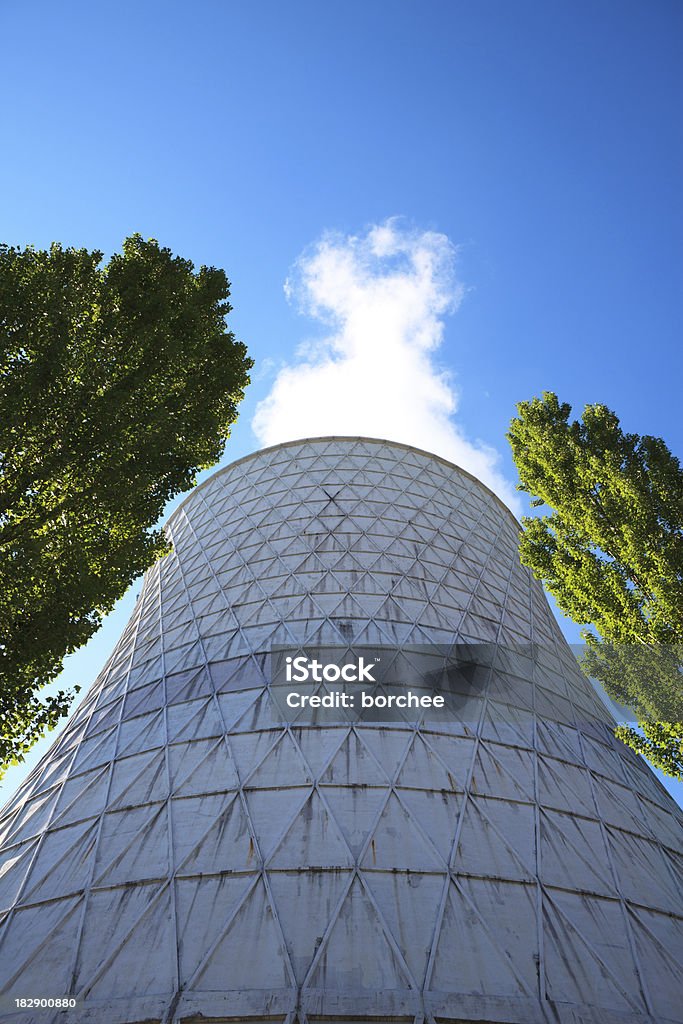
(343, 437)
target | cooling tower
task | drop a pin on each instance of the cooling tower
(186, 853)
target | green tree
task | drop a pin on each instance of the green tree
(610, 552)
(118, 382)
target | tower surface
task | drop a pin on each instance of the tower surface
(183, 853)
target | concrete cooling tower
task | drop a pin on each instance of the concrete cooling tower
(186, 852)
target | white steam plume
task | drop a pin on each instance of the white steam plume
(384, 296)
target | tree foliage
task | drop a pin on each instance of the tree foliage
(660, 742)
(118, 382)
(610, 551)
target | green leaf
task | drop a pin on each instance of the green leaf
(609, 548)
(118, 383)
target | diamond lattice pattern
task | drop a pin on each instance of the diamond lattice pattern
(183, 854)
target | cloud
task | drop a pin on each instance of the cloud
(383, 296)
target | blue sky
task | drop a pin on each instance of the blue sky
(541, 141)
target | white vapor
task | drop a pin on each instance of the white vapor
(384, 295)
